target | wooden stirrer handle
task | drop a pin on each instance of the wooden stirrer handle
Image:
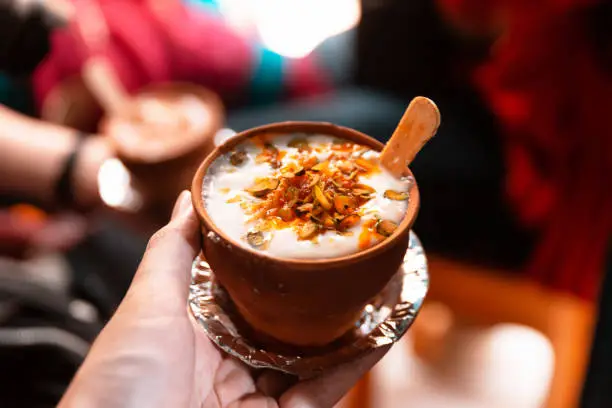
(419, 123)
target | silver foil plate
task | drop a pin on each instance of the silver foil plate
(383, 321)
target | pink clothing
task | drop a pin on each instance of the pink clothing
(145, 48)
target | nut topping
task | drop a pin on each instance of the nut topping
(237, 158)
(263, 187)
(396, 195)
(386, 228)
(313, 197)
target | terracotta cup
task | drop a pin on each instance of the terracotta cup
(163, 158)
(306, 303)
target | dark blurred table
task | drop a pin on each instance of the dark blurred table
(597, 391)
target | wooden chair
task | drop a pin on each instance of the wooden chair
(483, 296)
(487, 296)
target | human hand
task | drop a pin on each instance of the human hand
(152, 353)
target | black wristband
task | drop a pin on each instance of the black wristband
(64, 187)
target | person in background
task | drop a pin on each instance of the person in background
(41, 163)
(548, 80)
(42, 54)
(151, 42)
(54, 166)
(51, 166)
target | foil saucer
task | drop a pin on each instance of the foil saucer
(383, 321)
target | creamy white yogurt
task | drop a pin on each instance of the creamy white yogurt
(225, 181)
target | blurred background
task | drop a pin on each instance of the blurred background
(108, 106)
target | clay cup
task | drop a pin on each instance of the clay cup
(300, 302)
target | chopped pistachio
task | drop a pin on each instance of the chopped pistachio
(314, 180)
(386, 227)
(337, 184)
(338, 217)
(363, 193)
(286, 214)
(256, 238)
(263, 187)
(237, 158)
(396, 195)
(314, 196)
(317, 210)
(344, 204)
(365, 187)
(299, 143)
(270, 147)
(314, 218)
(292, 195)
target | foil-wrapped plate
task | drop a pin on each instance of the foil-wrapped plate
(383, 321)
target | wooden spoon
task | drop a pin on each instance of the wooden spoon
(101, 80)
(98, 74)
(419, 124)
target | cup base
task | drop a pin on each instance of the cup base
(384, 320)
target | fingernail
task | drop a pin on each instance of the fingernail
(182, 204)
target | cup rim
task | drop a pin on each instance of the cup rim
(311, 128)
(209, 98)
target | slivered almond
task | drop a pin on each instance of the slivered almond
(322, 198)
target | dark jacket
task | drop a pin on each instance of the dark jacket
(24, 36)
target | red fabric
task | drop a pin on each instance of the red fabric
(170, 43)
(547, 86)
(150, 47)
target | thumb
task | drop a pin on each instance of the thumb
(165, 270)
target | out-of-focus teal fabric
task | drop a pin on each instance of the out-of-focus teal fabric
(210, 5)
(267, 80)
(14, 94)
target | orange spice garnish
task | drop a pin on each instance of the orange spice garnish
(313, 197)
(348, 222)
(367, 235)
(270, 154)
